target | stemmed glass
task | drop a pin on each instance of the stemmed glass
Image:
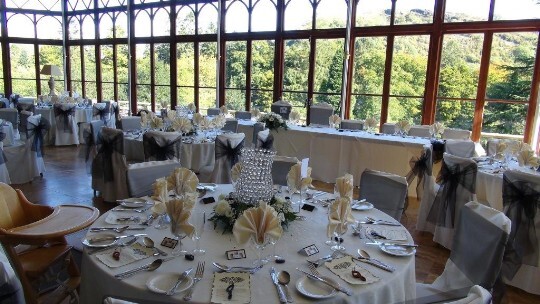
(273, 241)
(331, 241)
(198, 220)
(179, 235)
(340, 230)
(162, 222)
(259, 247)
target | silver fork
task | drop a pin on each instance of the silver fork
(329, 258)
(198, 276)
(313, 270)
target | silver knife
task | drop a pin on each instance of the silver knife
(107, 238)
(93, 229)
(335, 286)
(393, 244)
(180, 279)
(281, 294)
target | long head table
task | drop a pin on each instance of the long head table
(98, 279)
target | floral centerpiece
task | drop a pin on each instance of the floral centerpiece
(273, 121)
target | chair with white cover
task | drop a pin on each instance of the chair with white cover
(242, 115)
(265, 140)
(10, 286)
(477, 295)
(476, 258)
(26, 104)
(11, 115)
(419, 131)
(257, 127)
(281, 108)
(422, 171)
(451, 133)
(459, 147)
(25, 161)
(386, 191)
(115, 114)
(389, 128)
(102, 111)
(227, 153)
(521, 200)
(159, 145)
(130, 123)
(66, 126)
(319, 114)
(141, 176)
(349, 124)
(109, 166)
(231, 125)
(281, 166)
(23, 121)
(89, 140)
(457, 180)
(212, 112)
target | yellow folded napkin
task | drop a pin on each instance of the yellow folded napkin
(171, 114)
(179, 210)
(235, 171)
(197, 118)
(219, 121)
(295, 181)
(403, 126)
(370, 123)
(294, 116)
(192, 107)
(223, 110)
(334, 120)
(339, 216)
(517, 145)
(257, 222)
(205, 124)
(156, 122)
(437, 128)
(345, 186)
(500, 148)
(160, 195)
(527, 158)
(255, 113)
(144, 119)
(182, 180)
(181, 124)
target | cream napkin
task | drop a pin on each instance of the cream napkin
(294, 117)
(257, 222)
(403, 126)
(241, 292)
(197, 118)
(294, 178)
(182, 180)
(235, 171)
(155, 122)
(192, 107)
(160, 196)
(223, 110)
(144, 119)
(345, 186)
(255, 113)
(339, 216)
(179, 210)
(205, 124)
(516, 146)
(171, 114)
(219, 121)
(334, 120)
(182, 124)
(527, 158)
(437, 128)
(343, 268)
(500, 149)
(370, 123)
(128, 255)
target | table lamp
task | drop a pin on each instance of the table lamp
(51, 70)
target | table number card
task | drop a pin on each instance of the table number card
(309, 250)
(304, 167)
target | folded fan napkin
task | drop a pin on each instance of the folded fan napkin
(339, 216)
(527, 158)
(500, 149)
(516, 146)
(371, 122)
(179, 210)
(344, 186)
(334, 120)
(205, 124)
(343, 268)
(235, 171)
(241, 292)
(223, 110)
(160, 196)
(403, 126)
(294, 116)
(156, 122)
(219, 121)
(295, 181)
(197, 118)
(255, 113)
(192, 107)
(257, 222)
(182, 180)
(182, 124)
(128, 255)
(437, 128)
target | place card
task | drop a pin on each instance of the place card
(235, 254)
(240, 293)
(309, 250)
(343, 268)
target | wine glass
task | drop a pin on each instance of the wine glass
(340, 230)
(162, 222)
(259, 247)
(273, 241)
(198, 220)
(331, 241)
(179, 235)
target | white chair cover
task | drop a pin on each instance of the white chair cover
(212, 112)
(427, 196)
(450, 133)
(66, 127)
(477, 295)
(11, 115)
(491, 146)
(25, 160)
(386, 191)
(11, 291)
(130, 123)
(281, 167)
(109, 166)
(227, 152)
(352, 124)
(89, 139)
(115, 114)
(521, 199)
(231, 125)
(457, 181)
(265, 140)
(141, 176)
(459, 147)
(4, 173)
(242, 115)
(282, 108)
(23, 121)
(159, 145)
(4, 102)
(476, 258)
(102, 111)
(419, 131)
(319, 114)
(389, 128)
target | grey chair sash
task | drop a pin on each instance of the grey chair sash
(419, 167)
(445, 200)
(14, 99)
(102, 113)
(167, 151)
(26, 107)
(226, 150)
(103, 165)
(64, 115)
(38, 132)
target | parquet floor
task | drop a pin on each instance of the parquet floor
(67, 181)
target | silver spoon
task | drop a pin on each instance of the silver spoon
(238, 268)
(284, 278)
(150, 244)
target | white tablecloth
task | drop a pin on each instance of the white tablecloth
(98, 281)
(81, 115)
(7, 128)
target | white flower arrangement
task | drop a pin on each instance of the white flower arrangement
(273, 121)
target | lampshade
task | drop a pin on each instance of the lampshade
(50, 69)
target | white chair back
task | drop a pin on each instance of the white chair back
(227, 151)
(242, 115)
(450, 133)
(212, 112)
(282, 108)
(389, 128)
(459, 147)
(141, 176)
(66, 126)
(419, 131)
(130, 123)
(386, 191)
(231, 125)
(281, 167)
(352, 124)
(159, 145)
(319, 114)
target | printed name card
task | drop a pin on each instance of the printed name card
(309, 250)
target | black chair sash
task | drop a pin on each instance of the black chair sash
(226, 150)
(38, 132)
(14, 99)
(102, 113)
(2, 155)
(152, 149)
(64, 115)
(267, 144)
(88, 139)
(26, 107)
(521, 202)
(419, 167)
(438, 149)
(445, 200)
(103, 165)
(3, 105)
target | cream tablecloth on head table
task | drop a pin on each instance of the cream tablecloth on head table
(81, 115)
(98, 281)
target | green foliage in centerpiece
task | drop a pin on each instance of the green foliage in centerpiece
(228, 210)
(273, 121)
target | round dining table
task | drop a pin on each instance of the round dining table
(98, 281)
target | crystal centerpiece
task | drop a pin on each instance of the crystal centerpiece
(255, 181)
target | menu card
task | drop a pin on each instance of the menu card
(241, 293)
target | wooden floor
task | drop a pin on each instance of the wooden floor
(66, 182)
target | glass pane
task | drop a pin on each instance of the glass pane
(22, 61)
(143, 64)
(121, 25)
(49, 27)
(185, 20)
(123, 97)
(163, 97)
(296, 66)
(516, 9)
(105, 26)
(142, 23)
(235, 99)
(91, 90)
(185, 96)
(74, 29)
(76, 86)
(185, 64)
(143, 97)
(455, 114)
(409, 65)
(263, 17)
(404, 108)
(20, 25)
(331, 14)
(369, 61)
(236, 17)
(89, 63)
(414, 12)
(466, 10)
(460, 65)
(122, 61)
(329, 71)
(75, 62)
(162, 68)
(111, 3)
(24, 87)
(298, 15)
(207, 66)
(373, 12)
(107, 63)
(207, 99)
(162, 23)
(208, 17)
(107, 91)
(88, 28)
(51, 54)
(235, 74)
(262, 74)
(505, 118)
(365, 106)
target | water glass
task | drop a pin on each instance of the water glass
(198, 220)
(259, 248)
(340, 230)
(162, 222)
(179, 235)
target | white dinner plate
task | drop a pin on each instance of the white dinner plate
(362, 206)
(397, 250)
(134, 203)
(163, 282)
(87, 241)
(315, 289)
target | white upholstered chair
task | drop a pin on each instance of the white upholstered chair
(160, 145)
(348, 124)
(319, 114)
(459, 147)
(419, 131)
(451, 133)
(141, 176)
(389, 128)
(227, 153)
(281, 167)
(66, 127)
(212, 111)
(386, 191)
(242, 115)
(11, 115)
(130, 123)
(231, 125)
(282, 108)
